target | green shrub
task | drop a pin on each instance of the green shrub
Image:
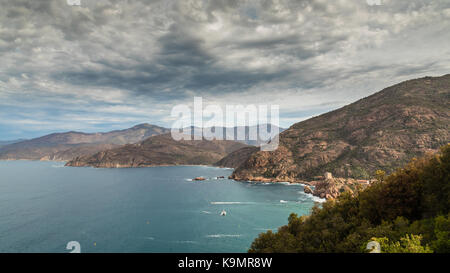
(412, 200)
(407, 244)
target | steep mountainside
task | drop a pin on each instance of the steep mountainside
(382, 131)
(236, 158)
(226, 132)
(65, 146)
(159, 151)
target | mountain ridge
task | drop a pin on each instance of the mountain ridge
(8, 142)
(68, 145)
(381, 131)
(65, 146)
(160, 150)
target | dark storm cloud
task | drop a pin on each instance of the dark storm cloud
(110, 57)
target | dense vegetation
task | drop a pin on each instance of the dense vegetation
(407, 211)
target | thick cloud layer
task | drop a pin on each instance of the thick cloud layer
(110, 64)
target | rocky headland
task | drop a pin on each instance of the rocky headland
(380, 132)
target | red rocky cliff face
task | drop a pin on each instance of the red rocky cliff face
(383, 131)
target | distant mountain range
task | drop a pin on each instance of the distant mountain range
(70, 145)
(7, 142)
(382, 131)
(160, 150)
(233, 133)
(65, 146)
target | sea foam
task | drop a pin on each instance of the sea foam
(317, 199)
(231, 203)
(223, 235)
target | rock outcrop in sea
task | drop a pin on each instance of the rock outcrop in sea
(330, 188)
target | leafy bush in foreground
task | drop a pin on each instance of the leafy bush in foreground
(408, 244)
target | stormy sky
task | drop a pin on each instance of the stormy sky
(108, 65)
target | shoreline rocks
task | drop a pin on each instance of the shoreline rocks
(308, 190)
(328, 187)
(200, 178)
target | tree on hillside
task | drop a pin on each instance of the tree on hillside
(409, 211)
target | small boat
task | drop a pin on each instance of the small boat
(223, 213)
(282, 201)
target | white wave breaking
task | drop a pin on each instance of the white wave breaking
(223, 235)
(231, 203)
(317, 199)
(186, 242)
(263, 229)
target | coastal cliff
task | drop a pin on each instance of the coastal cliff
(236, 158)
(330, 188)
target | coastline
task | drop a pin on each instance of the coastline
(118, 166)
(259, 180)
(254, 181)
(267, 180)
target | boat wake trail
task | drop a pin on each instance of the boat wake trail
(232, 203)
(223, 235)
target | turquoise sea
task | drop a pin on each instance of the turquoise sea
(44, 205)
